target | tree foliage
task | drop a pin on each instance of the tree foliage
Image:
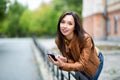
(2, 8)
(21, 22)
(25, 22)
(14, 29)
(68, 5)
(45, 19)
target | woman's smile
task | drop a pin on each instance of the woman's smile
(64, 30)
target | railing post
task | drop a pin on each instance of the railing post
(68, 75)
(62, 76)
(57, 73)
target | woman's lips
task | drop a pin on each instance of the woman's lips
(64, 30)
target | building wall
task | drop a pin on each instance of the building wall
(88, 24)
(113, 8)
(95, 23)
(95, 26)
(91, 7)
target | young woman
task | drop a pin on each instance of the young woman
(77, 47)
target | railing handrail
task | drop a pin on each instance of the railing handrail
(59, 74)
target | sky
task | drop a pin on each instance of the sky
(32, 4)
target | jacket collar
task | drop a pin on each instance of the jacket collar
(70, 42)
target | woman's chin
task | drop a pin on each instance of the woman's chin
(65, 34)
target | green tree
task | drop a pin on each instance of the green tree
(22, 22)
(25, 21)
(2, 8)
(3, 14)
(68, 5)
(75, 5)
(15, 12)
(46, 17)
(44, 21)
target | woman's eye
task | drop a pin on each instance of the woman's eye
(70, 23)
(62, 21)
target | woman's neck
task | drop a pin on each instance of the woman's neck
(69, 37)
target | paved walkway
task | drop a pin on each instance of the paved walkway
(17, 61)
(111, 70)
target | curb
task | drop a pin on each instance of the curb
(43, 70)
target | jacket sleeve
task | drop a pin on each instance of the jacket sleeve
(83, 59)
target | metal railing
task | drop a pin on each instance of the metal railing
(56, 72)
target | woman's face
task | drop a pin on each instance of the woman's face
(67, 25)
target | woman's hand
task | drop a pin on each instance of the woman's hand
(64, 59)
(60, 60)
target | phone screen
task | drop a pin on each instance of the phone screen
(53, 57)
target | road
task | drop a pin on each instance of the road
(17, 61)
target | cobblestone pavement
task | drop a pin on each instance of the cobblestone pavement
(111, 69)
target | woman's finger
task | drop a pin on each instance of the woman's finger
(51, 60)
(64, 59)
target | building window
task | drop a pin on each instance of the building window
(115, 23)
(108, 26)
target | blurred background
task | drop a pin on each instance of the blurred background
(23, 18)
(101, 19)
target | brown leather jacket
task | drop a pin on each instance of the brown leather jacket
(81, 59)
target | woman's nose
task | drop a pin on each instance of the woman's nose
(65, 25)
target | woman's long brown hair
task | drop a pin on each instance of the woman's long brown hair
(78, 31)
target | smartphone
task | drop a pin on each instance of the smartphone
(52, 57)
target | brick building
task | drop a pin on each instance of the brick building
(101, 19)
